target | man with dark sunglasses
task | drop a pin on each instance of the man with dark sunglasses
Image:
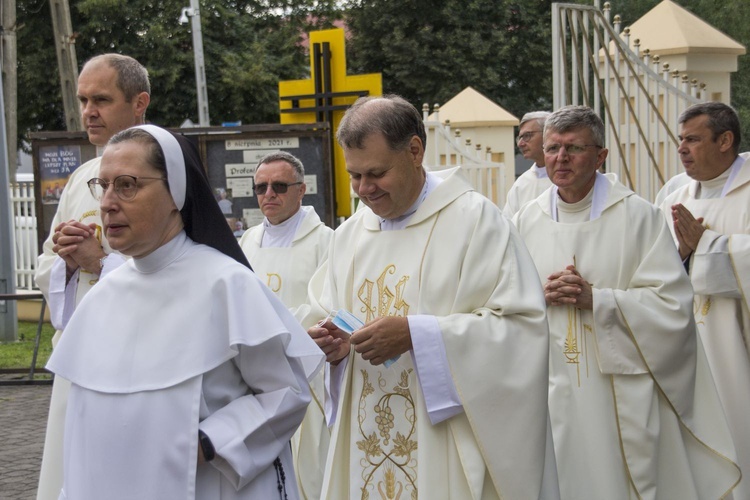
(285, 250)
(291, 242)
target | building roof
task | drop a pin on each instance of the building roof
(469, 108)
(669, 29)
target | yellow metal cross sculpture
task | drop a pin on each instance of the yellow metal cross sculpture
(325, 96)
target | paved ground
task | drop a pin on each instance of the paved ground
(23, 420)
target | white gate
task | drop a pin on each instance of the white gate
(638, 99)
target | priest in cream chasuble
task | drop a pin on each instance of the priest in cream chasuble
(285, 250)
(459, 409)
(291, 242)
(488, 317)
(287, 270)
(710, 222)
(100, 75)
(533, 181)
(633, 406)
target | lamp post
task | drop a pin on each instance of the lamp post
(8, 315)
(193, 13)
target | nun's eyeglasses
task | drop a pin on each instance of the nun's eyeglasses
(278, 187)
(126, 186)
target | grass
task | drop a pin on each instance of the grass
(19, 354)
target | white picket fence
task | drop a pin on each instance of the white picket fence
(26, 246)
(450, 150)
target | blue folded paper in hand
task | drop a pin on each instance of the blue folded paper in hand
(349, 323)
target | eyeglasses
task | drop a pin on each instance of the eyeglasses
(126, 186)
(571, 149)
(526, 136)
(278, 187)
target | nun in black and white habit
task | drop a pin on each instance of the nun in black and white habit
(188, 375)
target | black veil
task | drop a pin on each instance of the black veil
(203, 219)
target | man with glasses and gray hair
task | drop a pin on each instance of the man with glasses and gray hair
(534, 181)
(630, 393)
(114, 92)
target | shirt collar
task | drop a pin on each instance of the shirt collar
(431, 182)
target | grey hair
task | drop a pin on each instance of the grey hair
(293, 161)
(132, 76)
(391, 115)
(721, 118)
(539, 116)
(570, 118)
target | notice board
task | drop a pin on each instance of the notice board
(55, 155)
(229, 154)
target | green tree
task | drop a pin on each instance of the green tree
(249, 45)
(428, 51)
(39, 95)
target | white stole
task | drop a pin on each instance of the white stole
(601, 192)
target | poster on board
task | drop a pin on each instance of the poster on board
(56, 157)
(56, 164)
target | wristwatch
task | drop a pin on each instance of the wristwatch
(206, 446)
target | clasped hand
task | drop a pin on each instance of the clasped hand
(568, 288)
(379, 340)
(76, 244)
(687, 229)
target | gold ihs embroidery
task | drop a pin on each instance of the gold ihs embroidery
(389, 462)
(388, 302)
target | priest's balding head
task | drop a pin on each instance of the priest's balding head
(383, 139)
(114, 92)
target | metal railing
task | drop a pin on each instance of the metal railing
(638, 99)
